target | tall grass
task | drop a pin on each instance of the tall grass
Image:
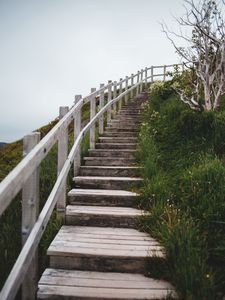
(182, 153)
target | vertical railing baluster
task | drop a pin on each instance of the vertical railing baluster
(30, 210)
(77, 129)
(126, 88)
(146, 78)
(132, 83)
(138, 80)
(164, 73)
(120, 92)
(109, 111)
(101, 104)
(142, 74)
(114, 96)
(62, 156)
(152, 75)
(92, 114)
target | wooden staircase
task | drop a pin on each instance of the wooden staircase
(99, 254)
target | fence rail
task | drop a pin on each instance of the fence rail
(25, 175)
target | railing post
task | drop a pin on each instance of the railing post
(132, 83)
(30, 210)
(164, 73)
(62, 156)
(77, 129)
(92, 114)
(146, 78)
(109, 111)
(120, 92)
(114, 96)
(126, 88)
(101, 104)
(152, 76)
(141, 86)
(138, 80)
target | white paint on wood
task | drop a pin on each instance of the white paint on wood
(92, 115)
(164, 73)
(120, 92)
(30, 210)
(114, 97)
(77, 129)
(62, 156)
(132, 83)
(101, 105)
(109, 111)
(126, 88)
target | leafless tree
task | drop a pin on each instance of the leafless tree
(204, 53)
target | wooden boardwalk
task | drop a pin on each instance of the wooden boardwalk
(99, 254)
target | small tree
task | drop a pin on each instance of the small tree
(204, 53)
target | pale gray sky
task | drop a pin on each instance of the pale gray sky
(53, 49)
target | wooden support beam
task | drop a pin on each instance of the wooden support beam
(146, 78)
(152, 75)
(114, 96)
(92, 114)
(77, 129)
(120, 92)
(62, 156)
(109, 111)
(126, 88)
(30, 210)
(101, 105)
(132, 83)
(164, 73)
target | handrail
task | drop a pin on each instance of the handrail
(19, 176)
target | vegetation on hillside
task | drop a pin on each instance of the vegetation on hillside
(182, 152)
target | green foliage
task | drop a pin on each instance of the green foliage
(182, 152)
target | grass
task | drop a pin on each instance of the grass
(182, 152)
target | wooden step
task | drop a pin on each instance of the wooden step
(120, 134)
(103, 249)
(103, 182)
(117, 139)
(116, 146)
(121, 129)
(125, 121)
(101, 197)
(109, 161)
(122, 125)
(121, 171)
(73, 285)
(102, 216)
(126, 153)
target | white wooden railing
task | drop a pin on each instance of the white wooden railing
(25, 176)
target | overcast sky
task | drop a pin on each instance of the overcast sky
(53, 49)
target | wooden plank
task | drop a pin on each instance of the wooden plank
(30, 210)
(96, 192)
(92, 115)
(74, 209)
(101, 280)
(109, 111)
(77, 129)
(62, 156)
(98, 230)
(111, 237)
(69, 292)
(101, 105)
